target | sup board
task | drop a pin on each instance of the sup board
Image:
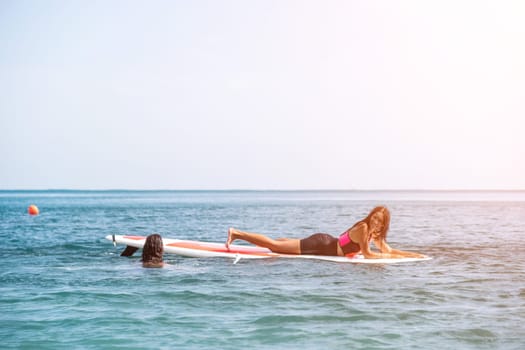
(199, 249)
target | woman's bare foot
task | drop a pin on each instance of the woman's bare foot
(232, 236)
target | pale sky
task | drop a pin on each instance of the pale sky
(262, 94)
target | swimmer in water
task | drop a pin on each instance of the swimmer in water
(153, 251)
(355, 240)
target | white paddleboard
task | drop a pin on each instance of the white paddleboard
(207, 250)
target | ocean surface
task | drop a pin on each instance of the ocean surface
(63, 286)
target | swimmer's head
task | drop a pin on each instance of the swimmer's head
(153, 251)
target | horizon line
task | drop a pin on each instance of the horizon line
(262, 190)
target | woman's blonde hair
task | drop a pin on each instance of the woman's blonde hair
(386, 220)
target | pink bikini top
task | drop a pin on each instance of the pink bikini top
(349, 247)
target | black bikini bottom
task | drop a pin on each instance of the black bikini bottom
(319, 244)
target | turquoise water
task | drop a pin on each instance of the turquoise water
(63, 286)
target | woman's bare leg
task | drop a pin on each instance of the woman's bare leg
(283, 246)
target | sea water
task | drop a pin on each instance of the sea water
(63, 286)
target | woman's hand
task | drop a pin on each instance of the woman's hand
(414, 255)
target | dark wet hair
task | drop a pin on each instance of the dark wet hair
(153, 250)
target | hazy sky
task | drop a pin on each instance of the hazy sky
(262, 94)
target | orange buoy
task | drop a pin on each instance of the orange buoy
(33, 210)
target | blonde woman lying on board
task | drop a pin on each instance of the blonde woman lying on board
(355, 240)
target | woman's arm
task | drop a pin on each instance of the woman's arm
(361, 236)
(385, 248)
